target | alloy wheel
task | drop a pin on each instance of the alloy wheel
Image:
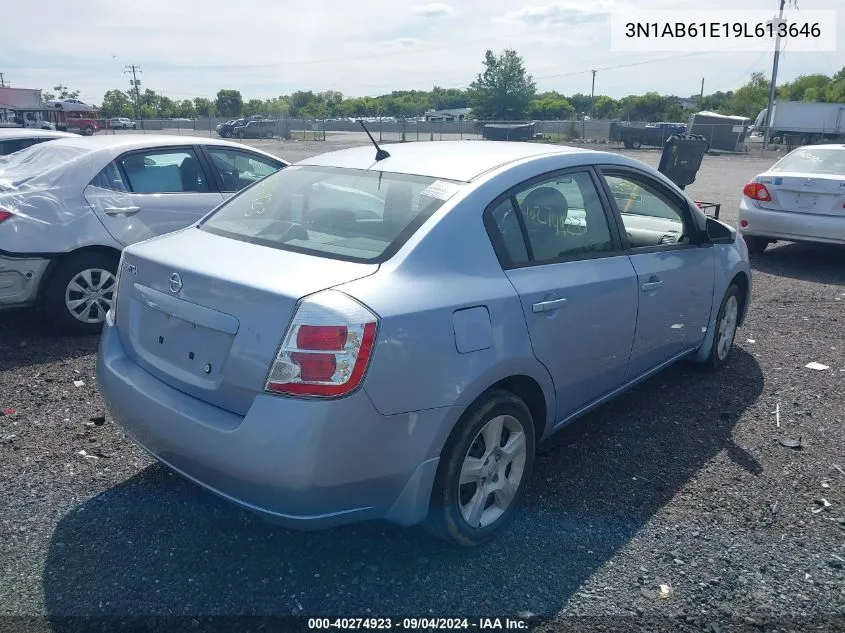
(492, 471)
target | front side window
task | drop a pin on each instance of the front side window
(562, 216)
(346, 213)
(651, 217)
(238, 169)
(169, 171)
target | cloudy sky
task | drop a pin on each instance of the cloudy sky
(264, 48)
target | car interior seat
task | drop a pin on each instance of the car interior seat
(545, 210)
(189, 174)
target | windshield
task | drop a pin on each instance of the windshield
(814, 160)
(345, 213)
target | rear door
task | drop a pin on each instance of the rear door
(577, 287)
(151, 192)
(233, 169)
(675, 276)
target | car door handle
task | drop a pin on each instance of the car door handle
(113, 211)
(546, 306)
(652, 285)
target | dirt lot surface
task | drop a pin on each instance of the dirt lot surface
(673, 508)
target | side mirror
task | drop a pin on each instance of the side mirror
(718, 233)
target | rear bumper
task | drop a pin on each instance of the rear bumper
(791, 226)
(303, 463)
(20, 278)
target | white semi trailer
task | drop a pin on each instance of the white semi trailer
(810, 122)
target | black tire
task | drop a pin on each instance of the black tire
(87, 131)
(714, 360)
(627, 145)
(756, 245)
(444, 518)
(636, 143)
(227, 134)
(53, 295)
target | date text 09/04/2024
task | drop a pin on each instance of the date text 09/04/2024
(417, 624)
(721, 30)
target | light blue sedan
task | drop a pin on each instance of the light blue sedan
(360, 337)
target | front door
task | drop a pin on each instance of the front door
(675, 277)
(578, 289)
(151, 192)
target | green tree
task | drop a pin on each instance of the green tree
(147, 112)
(580, 102)
(316, 109)
(804, 88)
(185, 109)
(114, 102)
(165, 107)
(749, 100)
(128, 112)
(550, 105)
(253, 107)
(230, 103)
(605, 107)
(204, 107)
(504, 90)
(61, 92)
(277, 106)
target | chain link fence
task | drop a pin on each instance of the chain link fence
(728, 137)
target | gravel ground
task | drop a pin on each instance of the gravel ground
(673, 508)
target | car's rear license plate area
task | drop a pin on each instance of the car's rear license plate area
(170, 341)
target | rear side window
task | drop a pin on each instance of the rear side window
(110, 178)
(170, 171)
(16, 144)
(360, 215)
(558, 218)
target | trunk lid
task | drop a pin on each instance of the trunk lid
(805, 193)
(206, 313)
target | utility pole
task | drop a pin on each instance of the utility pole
(132, 68)
(593, 95)
(2, 81)
(773, 87)
(701, 94)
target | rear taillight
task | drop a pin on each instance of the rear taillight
(327, 347)
(4, 215)
(757, 191)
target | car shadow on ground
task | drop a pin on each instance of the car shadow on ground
(820, 263)
(157, 545)
(27, 338)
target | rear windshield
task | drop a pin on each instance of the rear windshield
(809, 160)
(36, 160)
(361, 215)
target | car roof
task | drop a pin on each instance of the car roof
(20, 132)
(453, 160)
(124, 142)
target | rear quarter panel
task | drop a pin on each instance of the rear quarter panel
(448, 265)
